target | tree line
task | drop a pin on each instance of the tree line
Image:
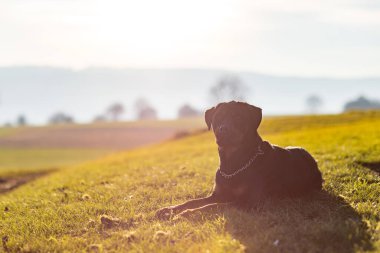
(229, 87)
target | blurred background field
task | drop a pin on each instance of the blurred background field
(34, 148)
(30, 149)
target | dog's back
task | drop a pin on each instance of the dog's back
(292, 171)
(306, 165)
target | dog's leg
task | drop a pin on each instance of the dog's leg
(192, 204)
(207, 208)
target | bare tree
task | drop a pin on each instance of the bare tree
(187, 111)
(115, 111)
(144, 110)
(99, 118)
(314, 103)
(228, 88)
(21, 120)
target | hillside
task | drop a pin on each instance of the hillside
(66, 209)
(30, 152)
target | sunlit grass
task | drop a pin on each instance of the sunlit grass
(7, 131)
(62, 211)
(24, 160)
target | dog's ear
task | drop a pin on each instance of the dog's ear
(256, 116)
(209, 114)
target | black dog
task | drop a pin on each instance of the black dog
(251, 170)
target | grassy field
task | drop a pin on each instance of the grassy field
(31, 150)
(109, 204)
(107, 135)
(21, 161)
(7, 131)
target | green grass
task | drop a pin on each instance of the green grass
(22, 161)
(289, 123)
(62, 211)
(7, 131)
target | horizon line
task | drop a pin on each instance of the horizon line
(227, 71)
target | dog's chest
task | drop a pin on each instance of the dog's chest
(234, 187)
(239, 190)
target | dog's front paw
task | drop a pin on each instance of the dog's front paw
(166, 212)
(186, 214)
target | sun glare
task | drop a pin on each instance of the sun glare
(150, 31)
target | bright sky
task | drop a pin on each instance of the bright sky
(338, 38)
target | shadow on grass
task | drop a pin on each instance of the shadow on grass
(374, 166)
(12, 182)
(323, 223)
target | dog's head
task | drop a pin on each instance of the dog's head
(233, 122)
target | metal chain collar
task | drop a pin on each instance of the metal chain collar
(229, 176)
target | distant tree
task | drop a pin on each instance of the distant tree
(362, 103)
(60, 118)
(148, 113)
(144, 110)
(115, 111)
(7, 124)
(314, 103)
(187, 111)
(228, 88)
(21, 120)
(100, 118)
